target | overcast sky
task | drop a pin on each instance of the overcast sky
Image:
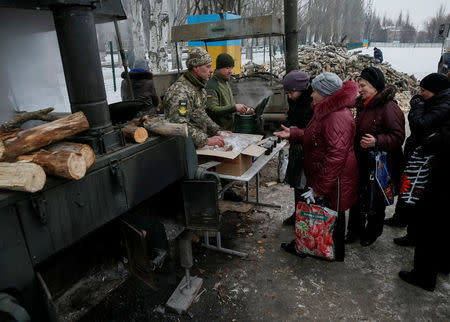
(419, 10)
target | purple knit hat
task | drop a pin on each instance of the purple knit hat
(295, 80)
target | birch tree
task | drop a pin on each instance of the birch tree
(159, 35)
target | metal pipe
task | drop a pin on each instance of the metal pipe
(188, 278)
(291, 34)
(111, 52)
(270, 59)
(178, 58)
(77, 39)
(124, 60)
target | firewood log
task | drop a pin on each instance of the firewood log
(135, 133)
(161, 126)
(17, 121)
(84, 149)
(21, 176)
(42, 135)
(64, 164)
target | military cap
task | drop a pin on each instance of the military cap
(198, 57)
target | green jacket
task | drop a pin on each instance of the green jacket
(221, 105)
(185, 102)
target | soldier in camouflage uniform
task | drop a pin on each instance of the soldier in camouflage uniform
(185, 100)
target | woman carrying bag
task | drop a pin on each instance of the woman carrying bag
(296, 85)
(380, 126)
(328, 148)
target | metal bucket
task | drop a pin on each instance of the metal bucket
(245, 123)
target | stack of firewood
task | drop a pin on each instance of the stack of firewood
(27, 156)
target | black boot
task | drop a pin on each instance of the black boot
(394, 222)
(413, 279)
(405, 241)
(367, 241)
(291, 248)
(290, 221)
(350, 238)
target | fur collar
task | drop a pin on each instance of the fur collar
(345, 97)
(138, 75)
(386, 95)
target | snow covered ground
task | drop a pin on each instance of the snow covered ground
(412, 61)
(416, 61)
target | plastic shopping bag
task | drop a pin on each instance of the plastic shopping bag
(314, 226)
(383, 177)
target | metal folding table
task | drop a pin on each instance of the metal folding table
(245, 177)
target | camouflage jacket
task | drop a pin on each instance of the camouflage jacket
(185, 102)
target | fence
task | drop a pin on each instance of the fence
(399, 44)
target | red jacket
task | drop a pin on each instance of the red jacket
(328, 147)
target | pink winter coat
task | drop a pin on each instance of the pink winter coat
(328, 146)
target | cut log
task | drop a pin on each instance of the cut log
(42, 135)
(64, 164)
(4, 135)
(161, 126)
(21, 176)
(135, 133)
(84, 149)
(17, 121)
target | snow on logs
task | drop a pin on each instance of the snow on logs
(22, 176)
(42, 135)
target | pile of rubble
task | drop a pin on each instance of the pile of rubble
(318, 58)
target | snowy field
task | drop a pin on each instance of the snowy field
(412, 61)
(416, 61)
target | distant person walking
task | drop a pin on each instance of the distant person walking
(378, 55)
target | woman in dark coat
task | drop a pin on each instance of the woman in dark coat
(328, 146)
(432, 252)
(427, 114)
(296, 85)
(143, 88)
(380, 125)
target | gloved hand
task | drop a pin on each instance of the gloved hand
(309, 196)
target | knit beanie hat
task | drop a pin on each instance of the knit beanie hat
(198, 57)
(224, 60)
(326, 84)
(295, 80)
(375, 77)
(434, 82)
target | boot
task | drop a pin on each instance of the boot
(367, 241)
(350, 238)
(394, 222)
(405, 241)
(413, 279)
(291, 248)
(290, 221)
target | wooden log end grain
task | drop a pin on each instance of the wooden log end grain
(76, 166)
(135, 133)
(22, 176)
(84, 149)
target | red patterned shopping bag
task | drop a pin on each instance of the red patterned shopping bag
(314, 226)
